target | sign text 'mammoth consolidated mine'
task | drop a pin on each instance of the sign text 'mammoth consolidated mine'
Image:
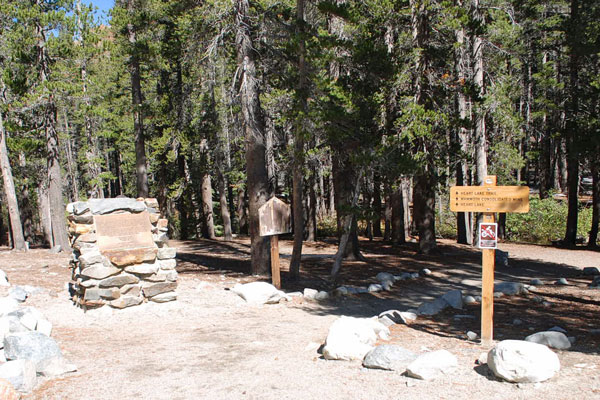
(489, 199)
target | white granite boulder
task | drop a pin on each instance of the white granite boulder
(521, 361)
(20, 373)
(259, 293)
(431, 365)
(34, 346)
(352, 338)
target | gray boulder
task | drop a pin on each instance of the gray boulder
(20, 373)
(18, 294)
(556, 340)
(34, 346)
(432, 307)
(520, 361)
(375, 287)
(389, 357)
(509, 288)
(397, 317)
(454, 299)
(561, 282)
(595, 283)
(591, 271)
(469, 300)
(429, 366)
(384, 276)
(536, 282)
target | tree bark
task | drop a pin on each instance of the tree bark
(254, 127)
(92, 153)
(208, 226)
(424, 209)
(387, 234)
(225, 215)
(424, 183)
(462, 61)
(593, 238)
(298, 162)
(398, 216)
(572, 127)
(141, 167)
(346, 191)
(377, 206)
(55, 195)
(18, 239)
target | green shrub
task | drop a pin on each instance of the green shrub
(546, 221)
(327, 227)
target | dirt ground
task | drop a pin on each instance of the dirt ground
(211, 344)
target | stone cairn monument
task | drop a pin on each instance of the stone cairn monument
(120, 253)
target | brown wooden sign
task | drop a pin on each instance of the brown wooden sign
(489, 199)
(125, 238)
(274, 218)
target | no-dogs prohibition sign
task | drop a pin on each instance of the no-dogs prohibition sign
(488, 235)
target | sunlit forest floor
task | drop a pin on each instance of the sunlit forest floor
(211, 344)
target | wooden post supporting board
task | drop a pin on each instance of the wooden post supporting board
(275, 273)
(488, 199)
(274, 218)
(487, 284)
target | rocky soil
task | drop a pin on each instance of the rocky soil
(211, 344)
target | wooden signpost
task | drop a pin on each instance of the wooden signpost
(274, 218)
(488, 199)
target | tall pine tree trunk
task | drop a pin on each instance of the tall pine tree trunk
(377, 205)
(298, 161)
(18, 240)
(571, 126)
(593, 238)
(424, 183)
(208, 226)
(462, 61)
(254, 128)
(55, 195)
(225, 215)
(398, 236)
(141, 168)
(92, 153)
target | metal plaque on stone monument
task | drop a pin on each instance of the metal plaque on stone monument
(125, 238)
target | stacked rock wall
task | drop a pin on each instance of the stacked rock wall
(121, 277)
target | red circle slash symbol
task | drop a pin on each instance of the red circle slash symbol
(488, 232)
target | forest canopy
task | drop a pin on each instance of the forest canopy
(360, 114)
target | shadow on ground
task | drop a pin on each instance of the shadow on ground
(575, 308)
